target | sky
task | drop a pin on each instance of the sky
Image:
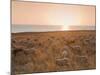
(30, 13)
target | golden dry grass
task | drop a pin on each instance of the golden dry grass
(53, 51)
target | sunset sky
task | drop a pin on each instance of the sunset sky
(30, 13)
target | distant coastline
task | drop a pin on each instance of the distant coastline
(47, 28)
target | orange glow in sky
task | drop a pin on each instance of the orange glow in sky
(30, 13)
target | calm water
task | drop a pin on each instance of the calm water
(44, 28)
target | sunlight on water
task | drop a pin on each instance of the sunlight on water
(65, 27)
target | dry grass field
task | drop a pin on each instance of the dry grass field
(33, 52)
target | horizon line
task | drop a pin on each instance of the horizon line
(47, 25)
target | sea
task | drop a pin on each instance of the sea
(46, 28)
